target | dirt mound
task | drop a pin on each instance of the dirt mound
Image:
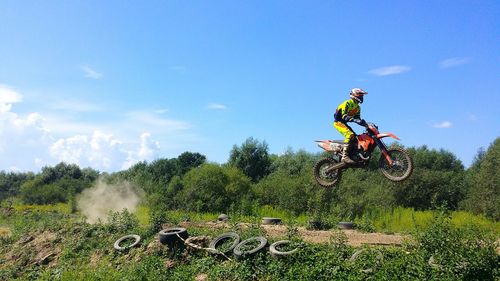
(35, 249)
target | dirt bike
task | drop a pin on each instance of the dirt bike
(394, 163)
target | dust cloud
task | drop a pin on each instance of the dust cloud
(98, 201)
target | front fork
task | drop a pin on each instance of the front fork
(384, 152)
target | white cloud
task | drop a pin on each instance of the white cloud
(9, 96)
(390, 70)
(216, 106)
(30, 141)
(453, 62)
(103, 151)
(148, 150)
(22, 138)
(443, 125)
(91, 73)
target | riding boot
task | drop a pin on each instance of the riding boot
(346, 150)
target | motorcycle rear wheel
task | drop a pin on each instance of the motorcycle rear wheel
(402, 165)
(321, 175)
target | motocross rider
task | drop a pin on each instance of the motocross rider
(349, 111)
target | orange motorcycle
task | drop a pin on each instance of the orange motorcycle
(394, 163)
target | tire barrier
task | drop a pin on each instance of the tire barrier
(379, 257)
(223, 217)
(346, 225)
(275, 252)
(171, 236)
(240, 251)
(137, 240)
(212, 248)
(268, 221)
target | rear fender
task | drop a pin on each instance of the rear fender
(384, 135)
(325, 144)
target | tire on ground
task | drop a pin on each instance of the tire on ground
(354, 257)
(212, 247)
(137, 240)
(239, 252)
(170, 236)
(277, 253)
(268, 221)
(346, 225)
(223, 217)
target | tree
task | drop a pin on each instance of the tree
(204, 189)
(483, 195)
(10, 183)
(188, 160)
(438, 179)
(57, 184)
(294, 163)
(252, 157)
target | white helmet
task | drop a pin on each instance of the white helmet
(357, 94)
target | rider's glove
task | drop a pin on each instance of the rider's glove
(362, 123)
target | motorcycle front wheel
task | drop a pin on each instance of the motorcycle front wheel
(324, 177)
(402, 165)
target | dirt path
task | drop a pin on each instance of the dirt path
(354, 238)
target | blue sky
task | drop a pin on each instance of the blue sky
(109, 83)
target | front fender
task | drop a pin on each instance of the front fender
(384, 135)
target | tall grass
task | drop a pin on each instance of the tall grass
(404, 220)
(63, 208)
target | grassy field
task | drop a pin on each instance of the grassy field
(50, 243)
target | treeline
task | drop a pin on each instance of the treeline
(252, 178)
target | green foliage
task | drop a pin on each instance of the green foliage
(86, 253)
(252, 157)
(467, 254)
(438, 178)
(57, 184)
(34, 192)
(10, 183)
(484, 183)
(204, 189)
(121, 221)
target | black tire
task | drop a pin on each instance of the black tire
(170, 236)
(268, 221)
(212, 248)
(239, 252)
(346, 225)
(137, 240)
(324, 178)
(223, 217)
(277, 253)
(380, 259)
(401, 168)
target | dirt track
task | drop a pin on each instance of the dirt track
(355, 238)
